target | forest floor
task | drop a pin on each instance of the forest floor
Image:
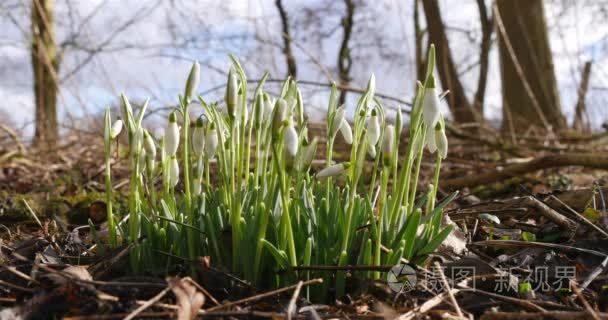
(531, 242)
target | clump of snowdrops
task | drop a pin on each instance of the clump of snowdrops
(267, 210)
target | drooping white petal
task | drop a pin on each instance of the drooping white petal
(332, 170)
(371, 150)
(346, 131)
(211, 142)
(198, 138)
(173, 171)
(290, 139)
(430, 107)
(373, 129)
(116, 129)
(430, 140)
(441, 140)
(171, 136)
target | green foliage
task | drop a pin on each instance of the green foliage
(267, 212)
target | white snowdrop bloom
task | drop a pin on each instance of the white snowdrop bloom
(193, 80)
(138, 141)
(373, 129)
(337, 121)
(441, 140)
(371, 150)
(116, 129)
(198, 138)
(430, 140)
(211, 142)
(430, 105)
(171, 135)
(333, 170)
(173, 171)
(346, 131)
(149, 145)
(290, 139)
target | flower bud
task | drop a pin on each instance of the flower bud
(336, 121)
(172, 135)
(388, 143)
(141, 165)
(138, 140)
(196, 188)
(280, 115)
(198, 138)
(232, 92)
(346, 131)
(193, 80)
(116, 129)
(149, 145)
(173, 171)
(441, 140)
(211, 142)
(371, 87)
(268, 106)
(307, 155)
(290, 139)
(373, 129)
(333, 170)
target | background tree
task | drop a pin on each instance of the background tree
(529, 88)
(45, 64)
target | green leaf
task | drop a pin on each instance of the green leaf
(279, 255)
(432, 245)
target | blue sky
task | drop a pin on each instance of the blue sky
(144, 60)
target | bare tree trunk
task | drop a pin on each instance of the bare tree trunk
(344, 57)
(45, 63)
(290, 59)
(459, 105)
(418, 34)
(528, 78)
(581, 121)
(487, 27)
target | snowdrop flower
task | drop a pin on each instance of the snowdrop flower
(268, 106)
(430, 139)
(138, 140)
(290, 139)
(116, 129)
(373, 129)
(346, 131)
(337, 121)
(172, 135)
(232, 94)
(371, 150)
(198, 138)
(149, 145)
(173, 171)
(333, 170)
(193, 79)
(211, 142)
(430, 105)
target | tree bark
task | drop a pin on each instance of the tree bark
(530, 94)
(581, 121)
(289, 58)
(484, 54)
(45, 63)
(344, 57)
(460, 107)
